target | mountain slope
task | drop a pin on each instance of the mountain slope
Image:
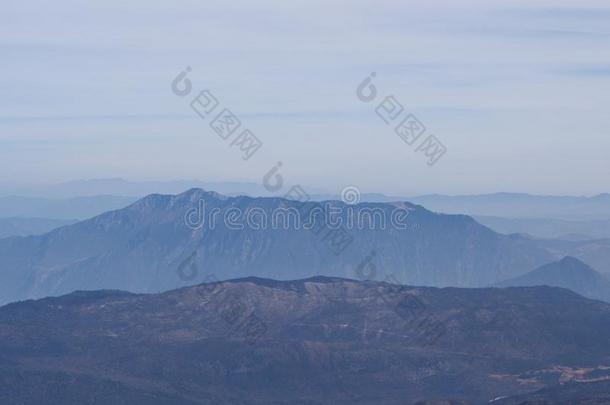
(315, 341)
(568, 273)
(147, 247)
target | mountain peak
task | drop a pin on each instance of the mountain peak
(196, 193)
(572, 261)
(570, 273)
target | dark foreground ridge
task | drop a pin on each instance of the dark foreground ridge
(314, 341)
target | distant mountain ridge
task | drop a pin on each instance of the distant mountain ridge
(123, 187)
(549, 228)
(520, 205)
(143, 248)
(569, 273)
(315, 341)
(61, 208)
(19, 226)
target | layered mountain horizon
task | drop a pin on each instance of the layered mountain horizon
(305, 203)
(543, 216)
(201, 297)
(151, 246)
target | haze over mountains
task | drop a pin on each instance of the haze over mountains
(549, 228)
(565, 217)
(519, 205)
(595, 253)
(139, 249)
(146, 247)
(260, 341)
(315, 341)
(122, 187)
(568, 217)
(19, 226)
(61, 208)
(305, 203)
(567, 273)
(501, 204)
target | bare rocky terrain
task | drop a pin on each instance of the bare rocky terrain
(314, 341)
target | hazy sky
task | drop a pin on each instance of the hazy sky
(518, 91)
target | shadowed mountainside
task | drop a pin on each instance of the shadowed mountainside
(146, 246)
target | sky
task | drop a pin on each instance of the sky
(517, 92)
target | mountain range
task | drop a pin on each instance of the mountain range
(503, 204)
(314, 341)
(565, 217)
(147, 247)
